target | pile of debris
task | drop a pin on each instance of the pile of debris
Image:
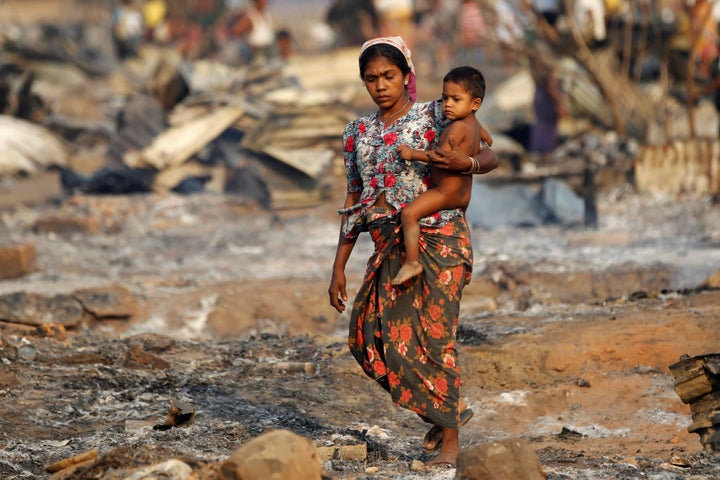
(161, 122)
(697, 383)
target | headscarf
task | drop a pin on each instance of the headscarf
(398, 43)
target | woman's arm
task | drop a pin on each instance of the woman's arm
(455, 160)
(338, 286)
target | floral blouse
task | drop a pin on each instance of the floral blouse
(373, 164)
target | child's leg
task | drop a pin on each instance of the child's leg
(428, 202)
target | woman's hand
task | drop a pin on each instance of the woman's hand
(337, 291)
(455, 160)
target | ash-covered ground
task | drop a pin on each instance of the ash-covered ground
(566, 335)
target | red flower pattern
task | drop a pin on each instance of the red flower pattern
(390, 138)
(406, 333)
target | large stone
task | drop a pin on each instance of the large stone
(36, 309)
(17, 260)
(713, 281)
(68, 225)
(113, 301)
(511, 459)
(274, 455)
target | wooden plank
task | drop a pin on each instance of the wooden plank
(33, 190)
(705, 403)
(177, 144)
(311, 162)
(693, 388)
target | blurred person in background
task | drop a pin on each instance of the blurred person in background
(590, 19)
(284, 44)
(353, 21)
(251, 33)
(470, 33)
(434, 32)
(128, 29)
(397, 18)
(154, 12)
(547, 105)
(508, 32)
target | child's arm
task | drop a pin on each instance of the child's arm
(407, 153)
(485, 136)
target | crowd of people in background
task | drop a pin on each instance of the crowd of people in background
(447, 32)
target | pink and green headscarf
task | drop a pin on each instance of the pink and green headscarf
(400, 44)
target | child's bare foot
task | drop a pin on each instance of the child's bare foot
(407, 271)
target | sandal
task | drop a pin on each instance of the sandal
(433, 438)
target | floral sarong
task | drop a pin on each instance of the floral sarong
(403, 336)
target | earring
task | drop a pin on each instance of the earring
(406, 82)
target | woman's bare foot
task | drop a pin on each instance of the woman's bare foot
(434, 437)
(407, 271)
(449, 450)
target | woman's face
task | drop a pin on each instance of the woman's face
(385, 82)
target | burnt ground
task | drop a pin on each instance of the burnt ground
(566, 335)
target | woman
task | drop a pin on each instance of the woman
(255, 28)
(404, 336)
(547, 105)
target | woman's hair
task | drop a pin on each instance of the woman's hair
(383, 50)
(469, 78)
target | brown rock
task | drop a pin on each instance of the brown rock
(8, 378)
(67, 225)
(84, 358)
(343, 452)
(138, 359)
(152, 342)
(505, 460)
(35, 309)
(713, 281)
(274, 455)
(114, 301)
(17, 260)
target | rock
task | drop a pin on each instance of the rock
(172, 469)
(17, 260)
(274, 455)
(343, 452)
(35, 309)
(417, 466)
(504, 460)
(713, 281)
(152, 342)
(8, 378)
(68, 225)
(138, 359)
(114, 301)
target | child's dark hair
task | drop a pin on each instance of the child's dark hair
(394, 55)
(469, 78)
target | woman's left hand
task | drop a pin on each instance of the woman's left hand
(449, 159)
(455, 160)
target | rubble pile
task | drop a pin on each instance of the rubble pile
(697, 383)
(160, 123)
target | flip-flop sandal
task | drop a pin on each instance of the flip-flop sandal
(465, 417)
(433, 438)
